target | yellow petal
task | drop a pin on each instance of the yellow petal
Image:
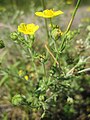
(39, 14)
(49, 13)
(22, 27)
(58, 13)
(32, 28)
(36, 28)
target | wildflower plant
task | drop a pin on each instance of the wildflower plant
(50, 76)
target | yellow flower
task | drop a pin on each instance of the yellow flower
(28, 28)
(26, 77)
(49, 13)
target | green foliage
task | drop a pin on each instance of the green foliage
(17, 99)
(48, 78)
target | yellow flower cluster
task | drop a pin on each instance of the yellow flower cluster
(49, 13)
(28, 28)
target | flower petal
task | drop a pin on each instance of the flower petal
(22, 27)
(58, 13)
(39, 14)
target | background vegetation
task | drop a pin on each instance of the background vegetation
(73, 100)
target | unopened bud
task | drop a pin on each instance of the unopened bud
(2, 44)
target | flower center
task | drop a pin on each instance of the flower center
(48, 12)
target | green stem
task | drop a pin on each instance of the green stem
(55, 45)
(46, 25)
(43, 4)
(69, 25)
(44, 70)
(31, 55)
(33, 62)
(73, 15)
(53, 40)
(51, 22)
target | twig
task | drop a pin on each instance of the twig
(84, 70)
(51, 54)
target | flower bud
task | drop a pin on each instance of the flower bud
(2, 44)
(14, 36)
(56, 33)
(69, 100)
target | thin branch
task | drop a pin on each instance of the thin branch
(51, 54)
(73, 15)
(84, 70)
